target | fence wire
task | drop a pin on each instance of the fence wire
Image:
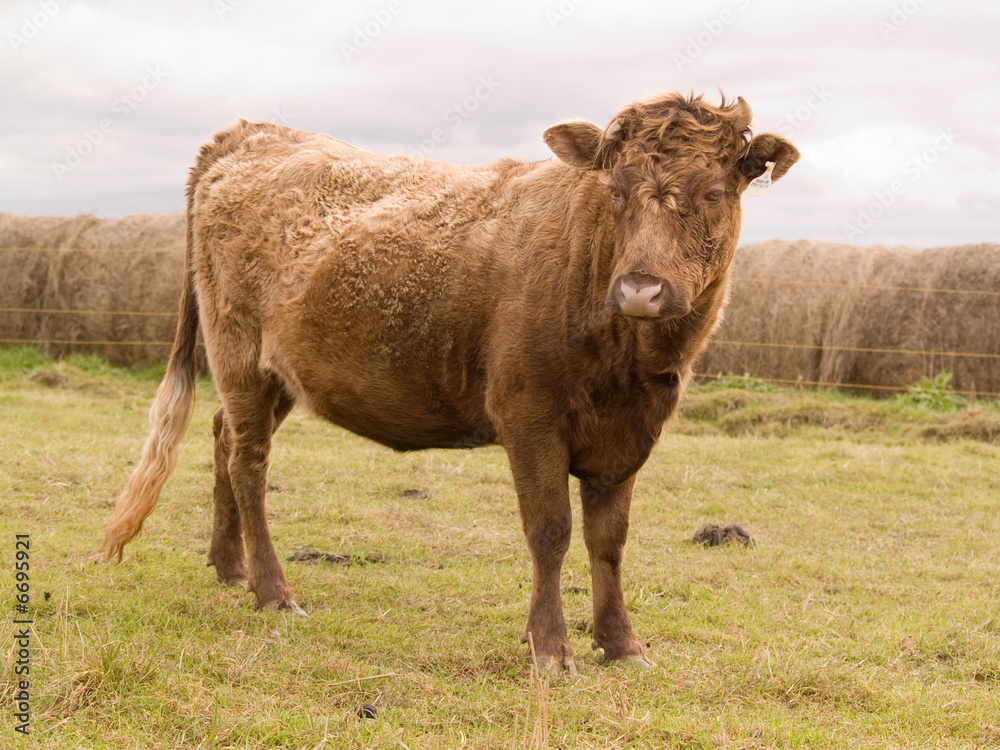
(862, 349)
(866, 287)
(700, 376)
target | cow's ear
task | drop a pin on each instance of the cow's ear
(577, 143)
(583, 145)
(768, 147)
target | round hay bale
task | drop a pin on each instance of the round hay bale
(938, 310)
(782, 295)
(106, 286)
(873, 318)
(24, 269)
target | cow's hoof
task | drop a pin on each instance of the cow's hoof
(289, 605)
(553, 666)
(229, 573)
(637, 661)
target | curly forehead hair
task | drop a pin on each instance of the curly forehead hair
(674, 123)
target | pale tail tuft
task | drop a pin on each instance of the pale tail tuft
(169, 417)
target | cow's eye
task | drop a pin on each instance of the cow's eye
(714, 197)
(616, 195)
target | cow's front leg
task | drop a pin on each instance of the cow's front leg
(541, 477)
(605, 528)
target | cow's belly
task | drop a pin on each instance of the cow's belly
(382, 334)
(402, 428)
(400, 410)
(406, 388)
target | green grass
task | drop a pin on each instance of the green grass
(866, 615)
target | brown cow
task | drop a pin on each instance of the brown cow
(554, 308)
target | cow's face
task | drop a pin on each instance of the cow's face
(675, 169)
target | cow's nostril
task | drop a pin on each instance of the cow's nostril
(640, 299)
(643, 295)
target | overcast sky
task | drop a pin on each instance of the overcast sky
(894, 104)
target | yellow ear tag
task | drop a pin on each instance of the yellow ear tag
(759, 185)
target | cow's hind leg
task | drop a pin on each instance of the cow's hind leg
(250, 419)
(226, 551)
(605, 528)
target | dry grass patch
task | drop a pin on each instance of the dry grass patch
(864, 616)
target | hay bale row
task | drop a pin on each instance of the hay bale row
(871, 318)
(107, 286)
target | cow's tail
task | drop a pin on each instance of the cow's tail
(169, 417)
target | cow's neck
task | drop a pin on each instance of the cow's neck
(675, 344)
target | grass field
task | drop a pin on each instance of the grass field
(866, 615)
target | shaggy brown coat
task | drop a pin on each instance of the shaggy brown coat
(555, 308)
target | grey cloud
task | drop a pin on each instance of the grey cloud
(420, 72)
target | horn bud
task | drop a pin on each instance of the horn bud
(743, 114)
(614, 131)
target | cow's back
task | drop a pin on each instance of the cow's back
(367, 282)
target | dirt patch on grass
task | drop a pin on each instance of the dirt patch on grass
(415, 494)
(65, 379)
(312, 557)
(738, 412)
(972, 424)
(780, 418)
(779, 414)
(716, 535)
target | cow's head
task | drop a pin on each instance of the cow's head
(675, 169)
